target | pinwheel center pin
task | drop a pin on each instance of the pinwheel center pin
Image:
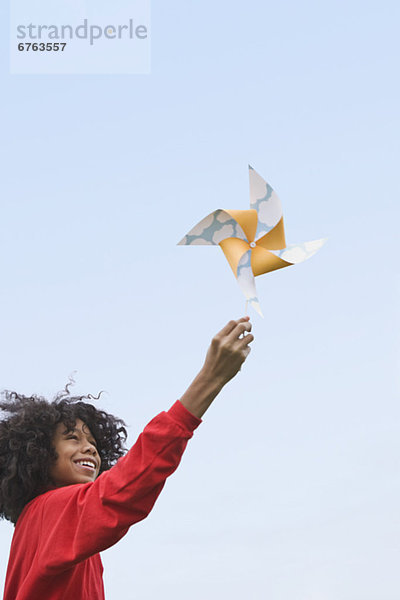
(252, 244)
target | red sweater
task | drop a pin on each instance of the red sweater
(57, 539)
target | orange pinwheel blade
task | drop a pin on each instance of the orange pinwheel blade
(233, 248)
(247, 220)
(274, 239)
(263, 261)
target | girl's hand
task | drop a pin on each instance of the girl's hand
(228, 350)
(225, 356)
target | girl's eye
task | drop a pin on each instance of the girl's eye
(75, 437)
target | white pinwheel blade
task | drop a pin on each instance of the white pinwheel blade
(297, 253)
(246, 281)
(214, 228)
(265, 201)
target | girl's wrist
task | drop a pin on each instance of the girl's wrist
(201, 392)
(210, 380)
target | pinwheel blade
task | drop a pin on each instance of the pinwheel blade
(211, 230)
(246, 281)
(267, 204)
(297, 253)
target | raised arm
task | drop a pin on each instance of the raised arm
(225, 356)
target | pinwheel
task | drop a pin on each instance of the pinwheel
(253, 241)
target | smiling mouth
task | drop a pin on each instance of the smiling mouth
(89, 469)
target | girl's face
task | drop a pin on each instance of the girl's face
(72, 448)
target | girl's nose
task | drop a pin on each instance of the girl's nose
(90, 447)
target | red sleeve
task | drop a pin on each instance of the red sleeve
(83, 519)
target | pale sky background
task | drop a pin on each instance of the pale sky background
(290, 487)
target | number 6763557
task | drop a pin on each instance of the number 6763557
(42, 46)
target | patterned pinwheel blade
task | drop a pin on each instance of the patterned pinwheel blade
(246, 281)
(217, 226)
(297, 253)
(269, 209)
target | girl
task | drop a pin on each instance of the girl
(69, 489)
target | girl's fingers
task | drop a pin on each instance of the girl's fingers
(229, 327)
(240, 328)
(246, 351)
(246, 339)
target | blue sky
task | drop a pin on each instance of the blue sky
(290, 486)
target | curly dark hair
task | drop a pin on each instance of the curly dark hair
(26, 450)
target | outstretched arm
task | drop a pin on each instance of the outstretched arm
(225, 356)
